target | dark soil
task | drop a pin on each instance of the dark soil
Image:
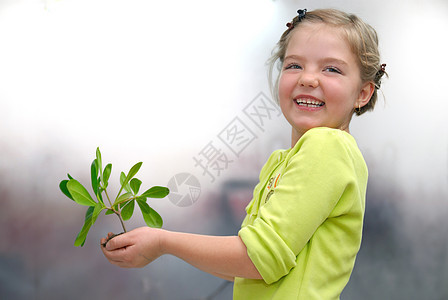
(110, 237)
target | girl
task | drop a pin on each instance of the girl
(303, 227)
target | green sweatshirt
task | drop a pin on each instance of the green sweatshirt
(304, 224)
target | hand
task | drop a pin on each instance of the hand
(134, 249)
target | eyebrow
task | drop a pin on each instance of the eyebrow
(324, 60)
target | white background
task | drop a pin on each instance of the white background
(156, 82)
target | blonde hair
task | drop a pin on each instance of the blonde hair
(361, 37)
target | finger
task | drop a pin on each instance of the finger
(114, 256)
(117, 257)
(104, 241)
(119, 241)
(121, 264)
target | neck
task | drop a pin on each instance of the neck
(295, 136)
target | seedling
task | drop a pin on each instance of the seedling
(123, 204)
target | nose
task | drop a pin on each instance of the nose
(308, 79)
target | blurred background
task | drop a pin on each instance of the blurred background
(182, 86)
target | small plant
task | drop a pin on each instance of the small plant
(123, 204)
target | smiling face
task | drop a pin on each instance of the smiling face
(320, 83)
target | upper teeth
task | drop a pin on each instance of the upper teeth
(309, 101)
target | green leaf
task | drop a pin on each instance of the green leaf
(69, 177)
(122, 178)
(156, 192)
(128, 210)
(90, 218)
(151, 217)
(99, 162)
(132, 172)
(79, 193)
(63, 188)
(126, 187)
(81, 238)
(96, 180)
(97, 168)
(94, 176)
(99, 197)
(123, 198)
(106, 174)
(109, 212)
(135, 185)
(96, 212)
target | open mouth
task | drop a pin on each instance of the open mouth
(311, 103)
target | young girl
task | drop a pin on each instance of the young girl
(303, 227)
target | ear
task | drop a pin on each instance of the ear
(365, 94)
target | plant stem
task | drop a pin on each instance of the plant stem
(108, 199)
(118, 213)
(122, 223)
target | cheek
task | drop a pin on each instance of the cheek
(286, 85)
(340, 94)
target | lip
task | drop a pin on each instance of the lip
(311, 98)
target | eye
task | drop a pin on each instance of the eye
(293, 66)
(332, 69)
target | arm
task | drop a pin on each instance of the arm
(222, 256)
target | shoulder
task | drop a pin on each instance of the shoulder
(326, 135)
(275, 158)
(327, 148)
(326, 140)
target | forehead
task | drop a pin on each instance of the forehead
(319, 39)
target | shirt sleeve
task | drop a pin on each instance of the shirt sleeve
(313, 181)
